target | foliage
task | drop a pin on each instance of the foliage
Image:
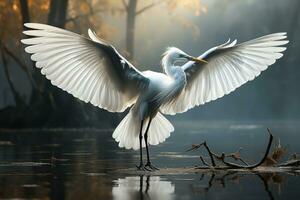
(78, 16)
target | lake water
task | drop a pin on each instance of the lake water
(86, 163)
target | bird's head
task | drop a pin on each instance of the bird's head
(173, 55)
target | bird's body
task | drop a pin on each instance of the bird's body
(162, 89)
(94, 71)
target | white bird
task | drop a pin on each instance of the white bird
(94, 71)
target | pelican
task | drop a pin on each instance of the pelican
(93, 70)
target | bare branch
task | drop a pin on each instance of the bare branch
(235, 156)
(211, 155)
(149, 6)
(145, 8)
(90, 7)
(233, 165)
(194, 147)
(84, 15)
(243, 161)
(125, 4)
(204, 162)
(290, 163)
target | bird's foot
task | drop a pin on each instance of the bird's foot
(150, 167)
(141, 167)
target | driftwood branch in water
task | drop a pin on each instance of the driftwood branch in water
(233, 165)
(290, 163)
(235, 156)
(211, 155)
(203, 161)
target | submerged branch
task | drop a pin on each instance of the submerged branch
(211, 155)
(204, 162)
(235, 156)
(233, 165)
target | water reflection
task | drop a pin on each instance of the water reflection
(84, 164)
(267, 181)
(143, 187)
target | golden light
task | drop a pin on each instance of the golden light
(15, 7)
(45, 6)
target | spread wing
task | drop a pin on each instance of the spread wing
(89, 69)
(229, 66)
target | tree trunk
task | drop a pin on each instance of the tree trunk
(57, 17)
(18, 99)
(130, 26)
(24, 11)
(34, 74)
(50, 106)
(58, 13)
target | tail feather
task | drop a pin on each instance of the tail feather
(160, 129)
(124, 133)
(127, 132)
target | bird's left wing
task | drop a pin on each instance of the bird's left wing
(228, 67)
(89, 69)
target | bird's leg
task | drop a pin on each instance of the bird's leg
(147, 184)
(141, 187)
(141, 166)
(148, 165)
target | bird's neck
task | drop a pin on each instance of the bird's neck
(168, 66)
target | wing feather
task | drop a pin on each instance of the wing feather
(89, 69)
(229, 66)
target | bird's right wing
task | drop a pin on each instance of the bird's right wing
(228, 67)
(90, 70)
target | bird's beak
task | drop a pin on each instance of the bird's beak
(196, 59)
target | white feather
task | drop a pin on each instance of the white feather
(127, 132)
(80, 67)
(231, 67)
(93, 71)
